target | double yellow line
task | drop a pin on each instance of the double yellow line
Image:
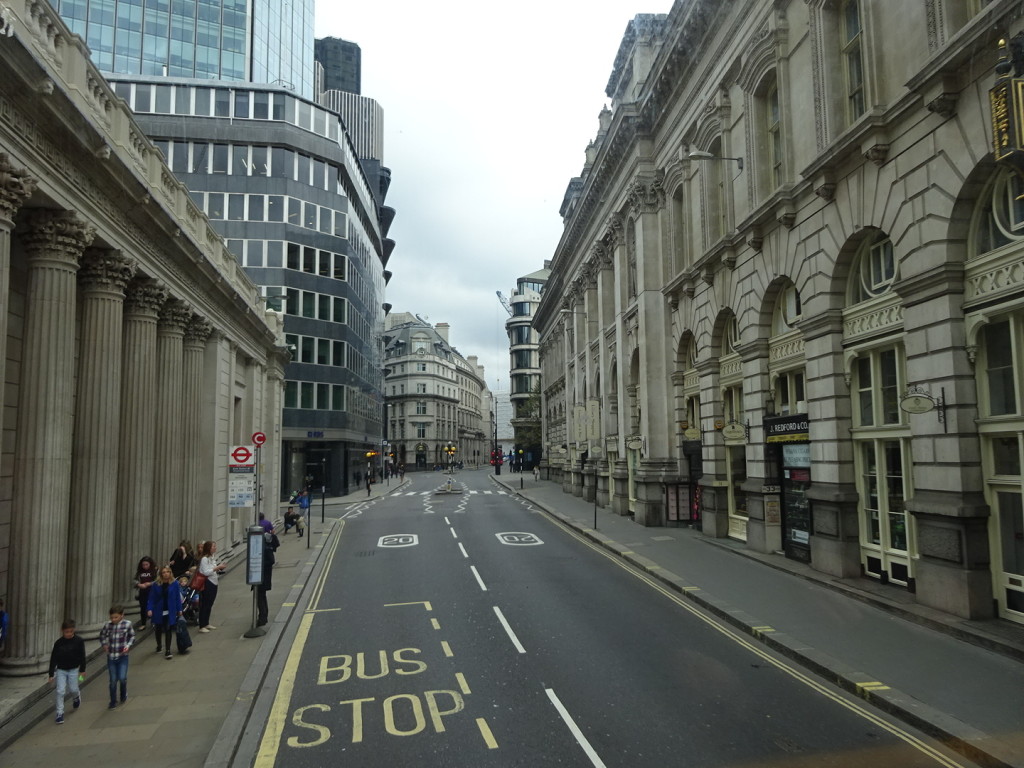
(761, 652)
(270, 744)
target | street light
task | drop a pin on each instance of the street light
(701, 155)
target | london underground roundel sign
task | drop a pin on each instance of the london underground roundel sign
(242, 455)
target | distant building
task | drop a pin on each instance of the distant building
(434, 396)
(524, 364)
(342, 62)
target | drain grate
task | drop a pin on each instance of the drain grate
(366, 553)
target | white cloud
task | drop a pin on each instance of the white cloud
(488, 109)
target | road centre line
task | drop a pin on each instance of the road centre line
(463, 685)
(454, 534)
(478, 579)
(580, 738)
(463, 550)
(447, 649)
(754, 647)
(508, 629)
(435, 623)
(447, 521)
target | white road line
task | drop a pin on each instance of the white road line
(478, 579)
(447, 521)
(463, 550)
(508, 629)
(454, 534)
(580, 738)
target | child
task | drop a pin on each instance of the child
(117, 637)
(67, 666)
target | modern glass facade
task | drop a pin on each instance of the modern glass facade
(202, 39)
(278, 178)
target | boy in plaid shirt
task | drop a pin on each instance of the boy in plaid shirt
(117, 637)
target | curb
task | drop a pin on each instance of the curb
(973, 744)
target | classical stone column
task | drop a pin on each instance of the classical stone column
(15, 187)
(53, 241)
(134, 508)
(169, 519)
(196, 334)
(102, 277)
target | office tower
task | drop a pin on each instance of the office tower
(342, 63)
(279, 178)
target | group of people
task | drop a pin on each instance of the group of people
(159, 591)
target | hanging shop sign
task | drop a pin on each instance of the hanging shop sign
(1006, 105)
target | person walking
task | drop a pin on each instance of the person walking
(117, 638)
(304, 501)
(67, 667)
(145, 574)
(211, 569)
(165, 608)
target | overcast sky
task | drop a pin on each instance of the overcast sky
(488, 109)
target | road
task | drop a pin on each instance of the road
(468, 629)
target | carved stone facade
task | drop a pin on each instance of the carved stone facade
(811, 337)
(93, 277)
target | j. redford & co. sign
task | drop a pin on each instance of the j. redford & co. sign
(785, 429)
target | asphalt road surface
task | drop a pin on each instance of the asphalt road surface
(468, 629)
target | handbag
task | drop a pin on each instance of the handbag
(199, 581)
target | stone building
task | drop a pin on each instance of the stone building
(435, 397)
(788, 302)
(134, 351)
(524, 366)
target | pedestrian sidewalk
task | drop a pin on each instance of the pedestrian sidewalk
(185, 712)
(959, 681)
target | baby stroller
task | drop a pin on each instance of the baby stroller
(189, 601)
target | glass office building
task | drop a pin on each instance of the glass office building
(203, 39)
(224, 88)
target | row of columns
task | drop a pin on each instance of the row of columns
(99, 474)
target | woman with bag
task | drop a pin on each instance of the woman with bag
(165, 609)
(209, 569)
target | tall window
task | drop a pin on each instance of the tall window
(878, 385)
(852, 49)
(774, 130)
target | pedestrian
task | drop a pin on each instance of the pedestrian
(145, 573)
(211, 569)
(117, 637)
(303, 510)
(265, 584)
(266, 525)
(182, 560)
(67, 667)
(165, 608)
(368, 484)
(536, 472)
(289, 519)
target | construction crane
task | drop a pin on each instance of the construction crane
(504, 303)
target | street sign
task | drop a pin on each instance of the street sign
(241, 491)
(259, 438)
(242, 456)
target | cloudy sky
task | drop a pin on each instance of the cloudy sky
(488, 109)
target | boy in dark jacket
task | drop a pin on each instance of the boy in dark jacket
(67, 666)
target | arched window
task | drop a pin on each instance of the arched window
(874, 269)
